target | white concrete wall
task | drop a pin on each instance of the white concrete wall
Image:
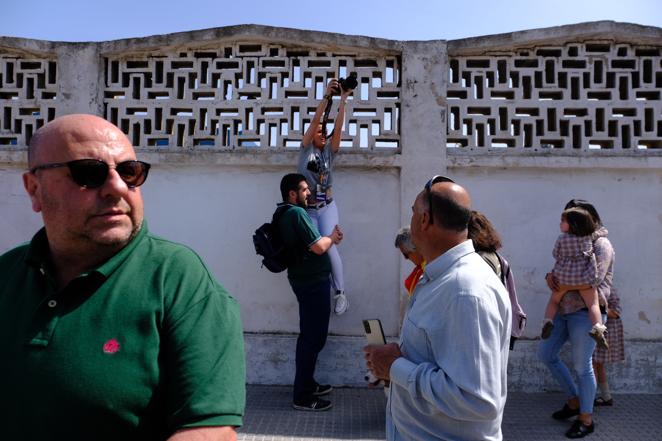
(17, 220)
(213, 198)
(215, 210)
(525, 206)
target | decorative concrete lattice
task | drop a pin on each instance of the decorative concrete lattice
(28, 89)
(248, 95)
(581, 96)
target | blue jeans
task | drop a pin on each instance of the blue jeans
(574, 328)
(314, 310)
(325, 219)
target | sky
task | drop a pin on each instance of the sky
(97, 20)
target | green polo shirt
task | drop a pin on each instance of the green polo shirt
(299, 233)
(145, 344)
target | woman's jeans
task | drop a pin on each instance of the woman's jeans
(574, 328)
(325, 219)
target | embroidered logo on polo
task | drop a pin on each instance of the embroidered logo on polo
(111, 346)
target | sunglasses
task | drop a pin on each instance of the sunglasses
(428, 190)
(92, 173)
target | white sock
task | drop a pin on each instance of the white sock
(599, 327)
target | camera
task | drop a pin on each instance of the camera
(348, 83)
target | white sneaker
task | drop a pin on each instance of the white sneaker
(341, 303)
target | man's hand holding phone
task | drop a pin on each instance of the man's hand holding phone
(379, 356)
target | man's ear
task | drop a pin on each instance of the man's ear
(32, 187)
(291, 194)
(425, 221)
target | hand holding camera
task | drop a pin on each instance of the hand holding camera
(342, 86)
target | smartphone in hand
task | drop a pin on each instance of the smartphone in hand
(374, 332)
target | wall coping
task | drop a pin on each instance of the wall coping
(557, 35)
(596, 30)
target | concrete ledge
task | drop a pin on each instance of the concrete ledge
(645, 159)
(324, 41)
(251, 32)
(270, 360)
(377, 160)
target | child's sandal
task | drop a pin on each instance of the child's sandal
(602, 402)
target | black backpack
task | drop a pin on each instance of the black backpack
(269, 244)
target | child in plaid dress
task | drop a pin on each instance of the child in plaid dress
(576, 270)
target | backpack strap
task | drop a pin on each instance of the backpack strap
(489, 259)
(519, 316)
(505, 269)
(294, 254)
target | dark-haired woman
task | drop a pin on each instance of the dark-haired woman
(486, 242)
(571, 324)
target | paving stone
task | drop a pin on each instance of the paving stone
(358, 414)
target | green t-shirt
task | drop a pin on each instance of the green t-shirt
(146, 344)
(299, 233)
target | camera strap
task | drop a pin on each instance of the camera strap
(325, 117)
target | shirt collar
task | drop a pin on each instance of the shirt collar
(38, 255)
(109, 266)
(441, 264)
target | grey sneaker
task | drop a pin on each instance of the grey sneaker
(313, 405)
(341, 303)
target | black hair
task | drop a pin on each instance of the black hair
(450, 215)
(580, 221)
(586, 205)
(290, 182)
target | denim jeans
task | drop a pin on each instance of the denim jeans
(325, 219)
(314, 310)
(574, 328)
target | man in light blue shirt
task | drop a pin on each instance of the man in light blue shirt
(448, 374)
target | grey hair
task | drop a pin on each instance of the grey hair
(403, 238)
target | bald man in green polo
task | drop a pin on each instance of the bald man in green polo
(109, 332)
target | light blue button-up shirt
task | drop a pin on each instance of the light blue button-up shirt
(450, 383)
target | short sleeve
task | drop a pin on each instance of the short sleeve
(556, 252)
(306, 229)
(204, 362)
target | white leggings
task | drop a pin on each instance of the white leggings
(325, 219)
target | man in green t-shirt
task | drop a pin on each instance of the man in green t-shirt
(308, 275)
(109, 332)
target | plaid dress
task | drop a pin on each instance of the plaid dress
(614, 335)
(575, 260)
(604, 258)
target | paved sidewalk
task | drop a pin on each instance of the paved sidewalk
(358, 414)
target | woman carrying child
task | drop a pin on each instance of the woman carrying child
(576, 270)
(571, 324)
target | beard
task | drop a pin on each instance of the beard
(302, 202)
